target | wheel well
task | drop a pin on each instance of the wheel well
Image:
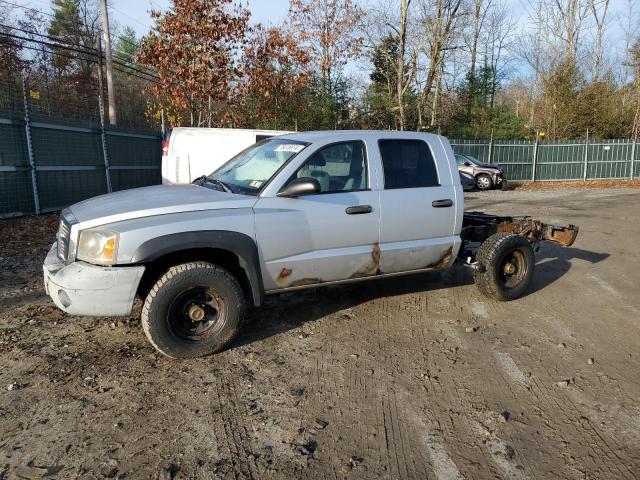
(222, 258)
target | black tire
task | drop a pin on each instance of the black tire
(505, 266)
(484, 182)
(195, 309)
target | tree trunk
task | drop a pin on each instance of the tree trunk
(400, 73)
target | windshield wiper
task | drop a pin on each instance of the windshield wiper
(201, 180)
(222, 184)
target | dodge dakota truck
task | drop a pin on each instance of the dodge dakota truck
(297, 211)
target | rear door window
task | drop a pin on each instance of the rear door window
(407, 164)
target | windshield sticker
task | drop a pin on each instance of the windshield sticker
(256, 184)
(289, 147)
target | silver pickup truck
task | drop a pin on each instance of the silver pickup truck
(291, 212)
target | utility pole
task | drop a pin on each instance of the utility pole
(106, 36)
(103, 133)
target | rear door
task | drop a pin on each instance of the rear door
(324, 237)
(417, 205)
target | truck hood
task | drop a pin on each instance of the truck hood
(156, 200)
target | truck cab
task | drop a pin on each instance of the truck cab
(384, 203)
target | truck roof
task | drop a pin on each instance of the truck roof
(328, 135)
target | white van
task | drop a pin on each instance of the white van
(188, 153)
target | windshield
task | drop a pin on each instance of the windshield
(462, 159)
(252, 168)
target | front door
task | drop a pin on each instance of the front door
(328, 236)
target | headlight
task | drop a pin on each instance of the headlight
(98, 245)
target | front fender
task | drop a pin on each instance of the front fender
(237, 243)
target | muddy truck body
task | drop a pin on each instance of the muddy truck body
(297, 211)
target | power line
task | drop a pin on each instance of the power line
(67, 23)
(71, 46)
(130, 69)
(50, 44)
(131, 18)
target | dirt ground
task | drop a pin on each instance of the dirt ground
(410, 378)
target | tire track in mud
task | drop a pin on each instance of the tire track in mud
(448, 430)
(588, 435)
(460, 393)
(616, 421)
(235, 442)
(489, 391)
(623, 418)
(392, 445)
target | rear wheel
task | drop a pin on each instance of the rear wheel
(483, 182)
(195, 309)
(505, 266)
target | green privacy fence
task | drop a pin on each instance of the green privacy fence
(45, 167)
(557, 159)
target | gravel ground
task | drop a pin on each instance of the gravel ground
(407, 378)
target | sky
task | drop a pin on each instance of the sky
(135, 12)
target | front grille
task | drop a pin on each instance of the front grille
(64, 231)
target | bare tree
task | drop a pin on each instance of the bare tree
(394, 20)
(402, 81)
(439, 20)
(599, 9)
(330, 29)
(498, 33)
(629, 22)
(570, 16)
(479, 10)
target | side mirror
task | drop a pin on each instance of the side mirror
(467, 164)
(300, 186)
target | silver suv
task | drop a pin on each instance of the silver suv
(486, 176)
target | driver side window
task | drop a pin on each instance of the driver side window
(340, 167)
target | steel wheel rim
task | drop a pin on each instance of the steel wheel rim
(512, 269)
(196, 313)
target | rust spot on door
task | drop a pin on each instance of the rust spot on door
(305, 281)
(282, 277)
(372, 267)
(443, 262)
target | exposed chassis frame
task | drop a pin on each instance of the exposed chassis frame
(478, 226)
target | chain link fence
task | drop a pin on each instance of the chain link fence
(557, 159)
(54, 150)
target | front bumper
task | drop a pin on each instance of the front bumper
(80, 288)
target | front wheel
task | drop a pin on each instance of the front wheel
(195, 309)
(484, 182)
(505, 266)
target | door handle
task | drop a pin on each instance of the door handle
(359, 209)
(442, 203)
